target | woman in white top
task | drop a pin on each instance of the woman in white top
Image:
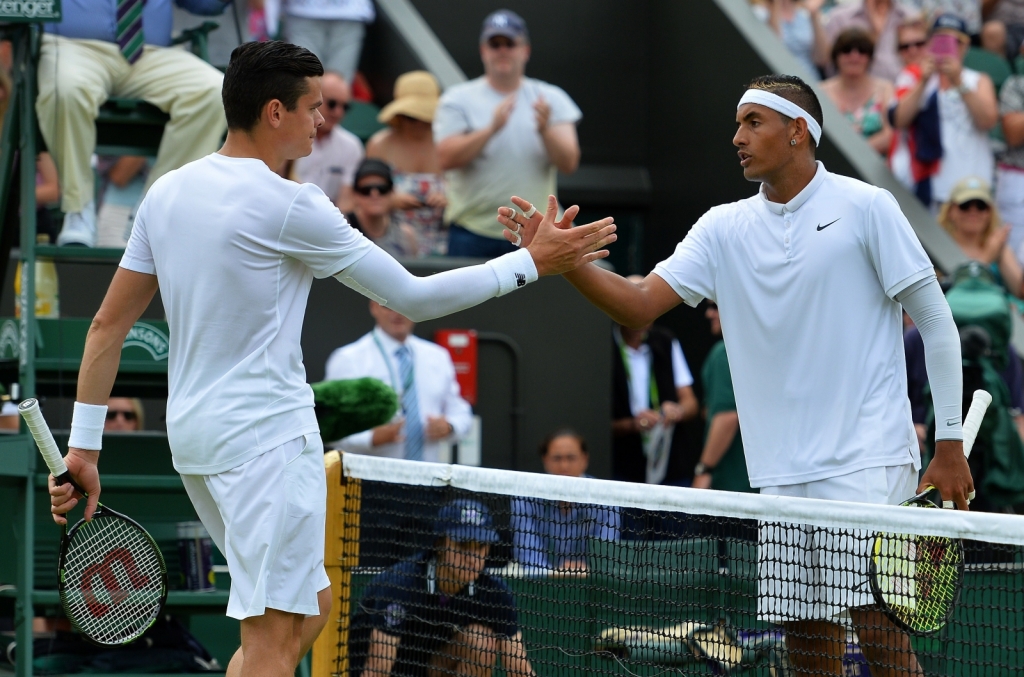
(967, 108)
(798, 25)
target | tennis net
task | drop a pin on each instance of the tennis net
(453, 570)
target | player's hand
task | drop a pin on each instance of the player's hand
(502, 112)
(556, 250)
(702, 481)
(82, 466)
(389, 433)
(526, 226)
(438, 428)
(402, 201)
(948, 472)
(542, 114)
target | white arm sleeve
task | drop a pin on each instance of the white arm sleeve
(927, 307)
(379, 277)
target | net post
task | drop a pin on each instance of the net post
(341, 554)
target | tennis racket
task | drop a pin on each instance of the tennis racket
(916, 579)
(112, 578)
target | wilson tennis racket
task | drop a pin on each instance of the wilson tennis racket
(916, 579)
(112, 578)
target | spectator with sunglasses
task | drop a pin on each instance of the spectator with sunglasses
(499, 135)
(336, 151)
(861, 97)
(124, 415)
(971, 218)
(372, 210)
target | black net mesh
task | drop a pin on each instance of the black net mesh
(452, 582)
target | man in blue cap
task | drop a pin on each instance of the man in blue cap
(439, 613)
(501, 134)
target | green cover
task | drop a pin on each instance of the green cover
(350, 406)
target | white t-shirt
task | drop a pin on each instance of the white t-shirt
(965, 148)
(513, 162)
(346, 10)
(805, 294)
(333, 162)
(235, 249)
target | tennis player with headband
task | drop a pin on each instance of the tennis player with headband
(810, 275)
(234, 249)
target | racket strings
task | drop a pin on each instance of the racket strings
(918, 578)
(113, 580)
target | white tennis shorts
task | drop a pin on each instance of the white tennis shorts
(268, 518)
(817, 573)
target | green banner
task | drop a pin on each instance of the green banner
(30, 11)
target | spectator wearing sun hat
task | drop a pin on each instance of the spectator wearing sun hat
(407, 144)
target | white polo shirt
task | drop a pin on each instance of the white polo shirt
(806, 292)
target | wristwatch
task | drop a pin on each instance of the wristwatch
(702, 469)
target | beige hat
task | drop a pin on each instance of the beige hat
(971, 188)
(416, 95)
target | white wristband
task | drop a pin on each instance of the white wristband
(513, 270)
(87, 426)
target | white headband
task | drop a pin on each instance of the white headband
(784, 106)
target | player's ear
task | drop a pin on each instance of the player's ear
(272, 112)
(798, 131)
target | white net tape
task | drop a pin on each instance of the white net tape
(113, 580)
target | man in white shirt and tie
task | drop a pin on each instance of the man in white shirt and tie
(422, 374)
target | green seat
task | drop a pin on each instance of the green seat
(361, 120)
(994, 66)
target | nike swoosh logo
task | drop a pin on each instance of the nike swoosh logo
(821, 227)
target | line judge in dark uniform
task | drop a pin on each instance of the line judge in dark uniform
(439, 613)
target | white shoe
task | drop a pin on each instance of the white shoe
(79, 228)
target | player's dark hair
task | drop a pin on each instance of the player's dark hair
(542, 449)
(793, 89)
(260, 72)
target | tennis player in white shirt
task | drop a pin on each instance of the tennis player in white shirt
(809, 276)
(234, 249)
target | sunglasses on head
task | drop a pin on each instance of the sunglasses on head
(114, 413)
(381, 188)
(980, 205)
(334, 103)
(918, 44)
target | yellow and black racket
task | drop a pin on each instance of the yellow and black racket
(916, 579)
(112, 577)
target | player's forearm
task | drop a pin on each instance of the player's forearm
(381, 278)
(459, 150)
(100, 361)
(616, 296)
(721, 433)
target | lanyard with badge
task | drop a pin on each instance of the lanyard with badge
(391, 370)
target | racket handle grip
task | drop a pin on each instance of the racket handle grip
(29, 410)
(975, 415)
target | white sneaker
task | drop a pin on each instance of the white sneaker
(79, 228)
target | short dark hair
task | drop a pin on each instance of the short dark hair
(850, 38)
(793, 89)
(561, 432)
(260, 72)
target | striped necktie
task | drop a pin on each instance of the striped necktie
(410, 406)
(130, 36)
